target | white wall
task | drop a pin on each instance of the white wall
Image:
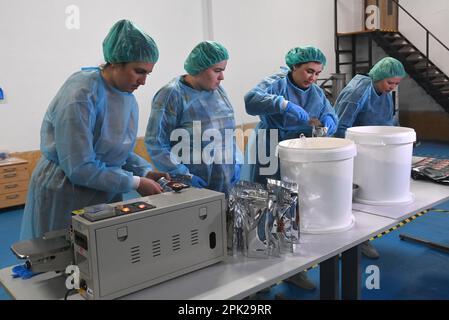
(38, 53)
(350, 15)
(434, 15)
(258, 34)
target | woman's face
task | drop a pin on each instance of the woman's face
(306, 74)
(210, 78)
(387, 85)
(127, 77)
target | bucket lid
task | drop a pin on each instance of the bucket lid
(316, 149)
(381, 135)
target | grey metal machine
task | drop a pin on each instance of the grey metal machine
(124, 247)
(52, 252)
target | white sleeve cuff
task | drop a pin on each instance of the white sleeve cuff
(136, 182)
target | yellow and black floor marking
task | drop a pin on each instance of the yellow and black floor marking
(399, 225)
(440, 210)
(408, 220)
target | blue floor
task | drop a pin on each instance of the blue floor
(407, 270)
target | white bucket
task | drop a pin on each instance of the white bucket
(383, 164)
(323, 169)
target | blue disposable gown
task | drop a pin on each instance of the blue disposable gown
(266, 101)
(177, 106)
(87, 140)
(360, 105)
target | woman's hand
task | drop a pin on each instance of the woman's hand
(157, 175)
(148, 187)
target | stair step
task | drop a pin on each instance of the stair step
(415, 60)
(400, 42)
(422, 66)
(401, 46)
(429, 80)
(409, 52)
(409, 49)
(442, 89)
(442, 85)
(392, 36)
(432, 75)
(430, 70)
(391, 41)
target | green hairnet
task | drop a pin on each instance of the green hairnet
(303, 55)
(387, 68)
(204, 55)
(126, 42)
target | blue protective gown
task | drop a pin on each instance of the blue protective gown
(266, 100)
(358, 104)
(87, 140)
(177, 106)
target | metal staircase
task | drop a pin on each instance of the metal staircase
(417, 64)
(434, 81)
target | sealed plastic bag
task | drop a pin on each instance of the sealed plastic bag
(287, 214)
(251, 218)
(263, 221)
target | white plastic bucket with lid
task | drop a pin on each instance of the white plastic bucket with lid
(383, 164)
(323, 170)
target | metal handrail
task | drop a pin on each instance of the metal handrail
(428, 33)
(421, 25)
(322, 85)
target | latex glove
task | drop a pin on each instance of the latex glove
(329, 122)
(236, 177)
(197, 182)
(298, 112)
(22, 271)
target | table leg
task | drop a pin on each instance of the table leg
(351, 274)
(329, 279)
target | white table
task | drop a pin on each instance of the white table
(240, 277)
(426, 195)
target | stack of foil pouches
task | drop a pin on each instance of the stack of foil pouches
(263, 221)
